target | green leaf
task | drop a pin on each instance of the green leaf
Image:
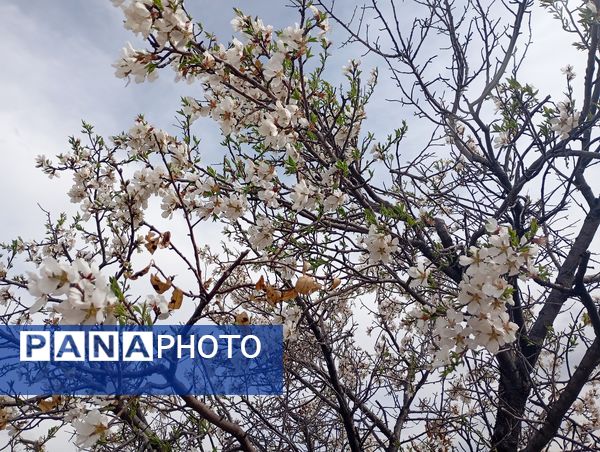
(343, 167)
(291, 166)
(211, 171)
(533, 229)
(370, 217)
(116, 289)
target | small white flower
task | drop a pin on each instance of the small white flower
(419, 274)
(238, 23)
(335, 200)
(291, 38)
(267, 127)
(350, 66)
(379, 245)
(161, 304)
(269, 197)
(54, 279)
(90, 428)
(303, 196)
(568, 71)
(138, 17)
(133, 63)
(234, 206)
(289, 318)
(491, 225)
(503, 139)
(261, 234)
(274, 67)
(566, 121)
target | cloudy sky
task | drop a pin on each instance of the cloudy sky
(57, 71)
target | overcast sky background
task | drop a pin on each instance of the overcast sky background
(57, 71)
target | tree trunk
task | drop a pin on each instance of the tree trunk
(512, 396)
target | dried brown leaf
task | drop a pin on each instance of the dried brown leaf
(335, 283)
(152, 242)
(176, 299)
(242, 318)
(159, 285)
(165, 239)
(307, 285)
(49, 405)
(140, 273)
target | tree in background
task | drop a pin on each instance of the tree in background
(440, 298)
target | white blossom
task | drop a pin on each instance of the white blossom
(303, 196)
(568, 71)
(291, 38)
(567, 119)
(89, 297)
(289, 318)
(502, 139)
(53, 279)
(484, 292)
(274, 67)
(90, 428)
(261, 234)
(380, 246)
(234, 206)
(134, 64)
(138, 17)
(160, 303)
(419, 274)
(269, 197)
(335, 200)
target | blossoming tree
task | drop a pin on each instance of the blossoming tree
(432, 299)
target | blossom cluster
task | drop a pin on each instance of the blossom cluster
(289, 318)
(261, 234)
(251, 90)
(478, 315)
(250, 84)
(567, 119)
(262, 176)
(90, 427)
(249, 72)
(379, 245)
(89, 298)
(170, 26)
